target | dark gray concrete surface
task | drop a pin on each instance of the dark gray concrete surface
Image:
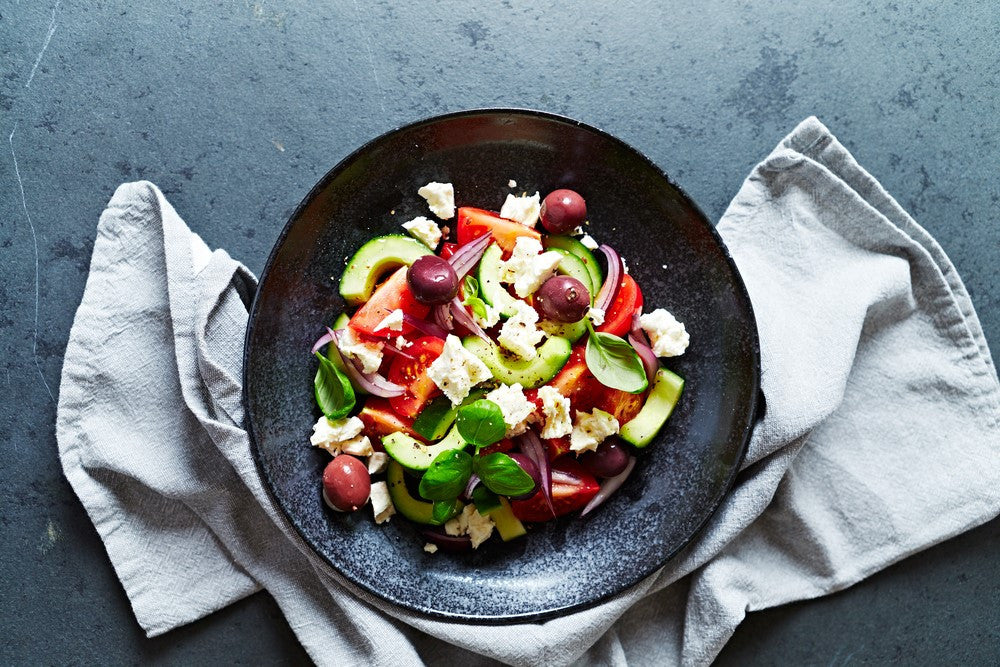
(235, 108)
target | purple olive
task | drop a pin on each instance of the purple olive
(609, 459)
(528, 466)
(346, 483)
(563, 299)
(562, 210)
(432, 280)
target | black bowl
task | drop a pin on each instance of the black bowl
(633, 206)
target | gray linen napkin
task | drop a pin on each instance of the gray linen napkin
(881, 436)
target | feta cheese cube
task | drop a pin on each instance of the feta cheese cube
(369, 354)
(527, 269)
(555, 409)
(360, 446)
(382, 506)
(596, 316)
(471, 523)
(516, 408)
(402, 343)
(588, 242)
(424, 230)
(523, 209)
(331, 435)
(512, 183)
(431, 548)
(377, 462)
(457, 370)
(393, 321)
(440, 199)
(591, 429)
(519, 333)
(667, 336)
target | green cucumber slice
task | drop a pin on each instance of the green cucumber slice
(575, 247)
(492, 291)
(659, 405)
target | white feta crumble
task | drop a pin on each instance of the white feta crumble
(527, 269)
(382, 506)
(516, 408)
(424, 230)
(591, 429)
(471, 523)
(457, 370)
(576, 231)
(523, 209)
(588, 242)
(431, 548)
(377, 462)
(402, 343)
(624, 265)
(555, 409)
(393, 321)
(667, 336)
(596, 316)
(491, 318)
(664, 266)
(512, 183)
(369, 354)
(440, 198)
(360, 446)
(335, 435)
(519, 333)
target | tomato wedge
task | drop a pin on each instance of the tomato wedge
(474, 222)
(390, 295)
(566, 496)
(412, 374)
(448, 249)
(618, 319)
(585, 392)
(380, 419)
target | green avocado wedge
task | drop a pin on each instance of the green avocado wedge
(415, 455)
(659, 405)
(552, 356)
(373, 260)
(414, 509)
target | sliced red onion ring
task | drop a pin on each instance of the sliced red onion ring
(464, 319)
(373, 383)
(442, 316)
(425, 327)
(447, 542)
(468, 255)
(609, 290)
(610, 486)
(564, 477)
(533, 448)
(637, 338)
(473, 481)
(323, 340)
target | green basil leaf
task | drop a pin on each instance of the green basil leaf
(435, 420)
(478, 307)
(481, 423)
(443, 510)
(334, 393)
(470, 288)
(615, 363)
(485, 500)
(503, 476)
(447, 476)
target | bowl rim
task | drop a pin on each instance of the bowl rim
(756, 398)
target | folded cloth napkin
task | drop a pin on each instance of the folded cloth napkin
(881, 435)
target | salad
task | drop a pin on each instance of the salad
(491, 374)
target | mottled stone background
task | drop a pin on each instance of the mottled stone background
(235, 109)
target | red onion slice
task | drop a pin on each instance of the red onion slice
(323, 340)
(447, 542)
(395, 349)
(637, 338)
(442, 317)
(610, 486)
(533, 448)
(468, 255)
(374, 384)
(563, 477)
(425, 327)
(473, 481)
(464, 319)
(609, 290)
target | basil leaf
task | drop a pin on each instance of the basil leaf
(443, 510)
(485, 500)
(334, 393)
(470, 288)
(447, 476)
(503, 476)
(435, 420)
(478, 307)
(481, 423)
(615, 363)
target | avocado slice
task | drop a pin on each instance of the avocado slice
(508, 525)
(374, 259)
(418, 511)
(575, 247)
(552, 355)
(414, 454)
(659, 405)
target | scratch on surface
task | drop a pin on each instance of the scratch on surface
(45, 44)
(371, 58)
(34, 240)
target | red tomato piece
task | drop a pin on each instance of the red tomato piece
(412, 374)
(618, 319)
(556, 447)
(390, 295)
(448, 249)
(381, 420)
(576, 382)
(566, 497)
(474, 222)
(504, 445)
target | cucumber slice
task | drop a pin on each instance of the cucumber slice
(415, 455)
(489, 282)
(508, 525)
(574, 267)
(414, 509)
(659, 405)
(575, 247)
(373, 260)
(552, 356)
(571, 332)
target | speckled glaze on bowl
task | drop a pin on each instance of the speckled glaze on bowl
(680, 479)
